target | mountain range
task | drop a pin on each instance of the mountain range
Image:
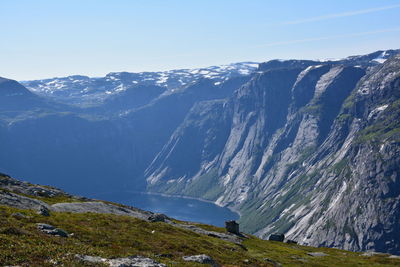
(303, 147)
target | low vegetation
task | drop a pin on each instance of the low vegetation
(387, 127)
(119, 236)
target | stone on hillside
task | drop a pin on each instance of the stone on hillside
(277, 237)
(133, 261)
(203, 259)
(51, 230)
(232, 227)
(372, 253)
(44, 211)
(90, 259)
(20, 202)
(158, 217)
(274, 263)
(317, 254)
(289, 241)
(99, 207)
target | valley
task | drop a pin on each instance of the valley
(303, 147)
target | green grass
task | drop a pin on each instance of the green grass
(386, 127)
(110, 236)
(206, 186)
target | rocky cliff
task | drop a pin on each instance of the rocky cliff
(307, 149)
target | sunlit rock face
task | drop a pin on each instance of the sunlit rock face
(310, 149)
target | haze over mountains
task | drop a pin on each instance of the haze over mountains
(308, 148)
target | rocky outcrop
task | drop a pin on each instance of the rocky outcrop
(20, 187)
(133, 261)
(99, 207)
(51, 230)
(203, 259)
(158, 217)
(21, 202)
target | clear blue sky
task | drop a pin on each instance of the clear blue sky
(48, 38)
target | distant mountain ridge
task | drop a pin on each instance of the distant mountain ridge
(79, 89)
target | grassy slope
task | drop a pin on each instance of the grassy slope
(119, 236)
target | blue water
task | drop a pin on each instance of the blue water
(176, 207)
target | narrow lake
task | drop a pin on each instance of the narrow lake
(176, 207)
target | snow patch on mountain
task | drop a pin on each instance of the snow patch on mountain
(79, 89)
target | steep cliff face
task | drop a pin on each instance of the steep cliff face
(307, 149)
(354, 201)
(94, 150)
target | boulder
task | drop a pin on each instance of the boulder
(20, 202)
(51, 230)
(132, 261)
(44, 211)
(317, 254)
(277, 237)
(202, 258)
(232, 227)
(90, 259)
(99, 207)
(158, 217)
(274, 263)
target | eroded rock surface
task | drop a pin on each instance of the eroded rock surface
(99, 207)
(203, 259)
(133, 261)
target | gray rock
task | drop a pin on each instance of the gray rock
(373, 253)
(232, 227)
(202, 258)
(158, 217)
(44, 211)
(277, 237)
(317, 254)
(44, 226)
(133, 261)
(274, 263)
(99, 207)
(51, 230)
(20, 202)
(26, 188)
(90, 259)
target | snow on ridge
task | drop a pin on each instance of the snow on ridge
(72, 88)
(381, 58)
